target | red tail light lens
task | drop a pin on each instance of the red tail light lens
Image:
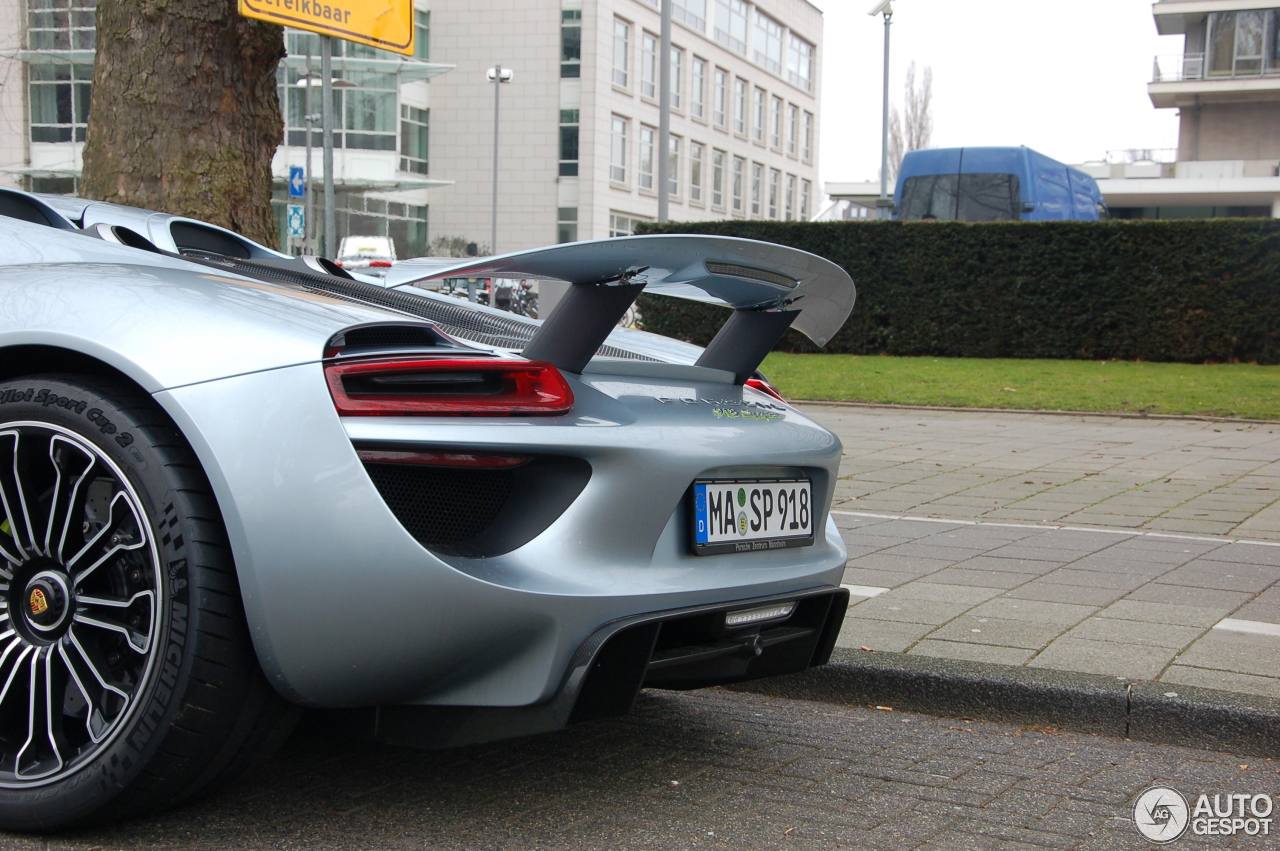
(765, 387)
(380, 264)
(446, 387)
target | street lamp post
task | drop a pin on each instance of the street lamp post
(309, 118)
(884, 207)
(325, 116)
(328, 248)
(496, 75)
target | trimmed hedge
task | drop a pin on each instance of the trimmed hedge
(1186, 290)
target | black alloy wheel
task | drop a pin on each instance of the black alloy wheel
(128, 680)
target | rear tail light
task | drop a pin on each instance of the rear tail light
(380, 264)
(764, 386)
(421, 387)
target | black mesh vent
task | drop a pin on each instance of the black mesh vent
(390, 337)
(441, 507)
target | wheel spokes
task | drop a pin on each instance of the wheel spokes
(75, 549)
(34, 759)
(96, 668)
(94, 723)
(73, 465)
(121, 511)
(105, 617)
(13, 498)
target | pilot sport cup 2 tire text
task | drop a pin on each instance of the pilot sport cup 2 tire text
(127, 676)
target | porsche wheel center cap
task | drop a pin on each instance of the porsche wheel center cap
(45, 601)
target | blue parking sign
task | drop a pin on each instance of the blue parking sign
(297, 181)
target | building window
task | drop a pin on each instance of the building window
(673, 166)
(739, 178)
(621, 52)
(359, 213)
(413, 139)
(58, 90)
(768, 43)
(775, 178)
(698, 88)
(806, 138)
(758, 115)
(624, 224)
(692, 12)
(696, 153)
(757, 181)
(571, 43)
(646, 162)
(789, 198)
(775, 125)
(806, 190)
(731, 25)
(421, 35)
(61, 24)
(677, 67)
(568, 143)
(59, 96)
(367, 115)
(649, 65)
(1244, 43)
(717, 179)
(618, 152)
(740, 106)
(800, 62)
(720, 99)
(567, 224)
(793, 128)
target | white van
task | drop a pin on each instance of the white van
(368, 255)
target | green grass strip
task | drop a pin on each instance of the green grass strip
(1246, 391)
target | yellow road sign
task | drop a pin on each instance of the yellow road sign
(387, 24)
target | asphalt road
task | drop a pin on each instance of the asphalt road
(708, 769)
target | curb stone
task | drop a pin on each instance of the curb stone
(1089, 703)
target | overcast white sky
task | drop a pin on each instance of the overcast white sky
(1069, 80)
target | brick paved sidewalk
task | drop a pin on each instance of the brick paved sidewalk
(1151, 581)
(1187, 476)
(1177, 610)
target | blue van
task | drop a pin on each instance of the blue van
(993, 185)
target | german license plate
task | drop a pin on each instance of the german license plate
(746, 515)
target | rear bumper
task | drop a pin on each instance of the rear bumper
(678, 649)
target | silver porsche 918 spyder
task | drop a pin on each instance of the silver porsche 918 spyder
(235, 483)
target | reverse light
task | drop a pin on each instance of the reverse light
(746, 617)
(446, 387)
(764, 386)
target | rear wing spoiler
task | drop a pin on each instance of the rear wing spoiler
(770, 287)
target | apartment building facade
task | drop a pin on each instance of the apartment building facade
(414, 149)
(578, 156)
(1226, 88)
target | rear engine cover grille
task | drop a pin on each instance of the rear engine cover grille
(442, 507)
(478, 513)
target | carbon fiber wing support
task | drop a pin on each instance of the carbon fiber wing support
(770, 287)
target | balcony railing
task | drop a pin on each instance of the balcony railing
(1193, 66)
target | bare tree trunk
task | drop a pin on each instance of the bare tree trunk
(914, 131)
(185, 117)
